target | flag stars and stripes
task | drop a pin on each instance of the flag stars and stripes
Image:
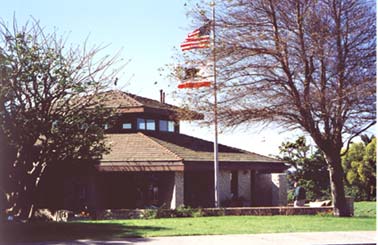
(197, 39)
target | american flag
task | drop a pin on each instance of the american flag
(199, 38)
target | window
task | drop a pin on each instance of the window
(106, 126)
(163, 125)
(141, 124)
(146, 124)
(171, 126)
(126, 125)
(150, 124)
(167, 126)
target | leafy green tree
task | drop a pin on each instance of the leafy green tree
(359, 165)
(309, 168)
(50, 108)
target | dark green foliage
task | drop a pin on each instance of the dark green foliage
(180, 212)
(309, 169)
(183, 211)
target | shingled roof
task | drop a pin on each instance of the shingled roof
(167, 151)
(137, 152)
(125, 102)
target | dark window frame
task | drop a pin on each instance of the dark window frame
(145, 122)
(170, 126)
(127, 123)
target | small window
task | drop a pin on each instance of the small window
(126, 125)
(150, 124)
(163, 125)
(141, 124)
(171, 126)
(106, 126)
(146, 124)
(167, 126)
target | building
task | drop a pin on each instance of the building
(151, 164)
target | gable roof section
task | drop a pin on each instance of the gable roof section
(194, 149)
(168, 151)
(136, 147)
(136, 152)
(119, 99)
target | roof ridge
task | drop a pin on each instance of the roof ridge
(131, 96)
(161, 146)
(135, 97)
(138, 96)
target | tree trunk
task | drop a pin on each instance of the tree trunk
(337, 185)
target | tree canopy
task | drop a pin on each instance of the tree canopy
(49, 106)
(360, 165)
(302, 64)
(309, 168)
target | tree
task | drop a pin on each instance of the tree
(50, 107)
(301, 64)
(309, 168)
(360, 165)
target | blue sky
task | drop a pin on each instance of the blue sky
(147, 32)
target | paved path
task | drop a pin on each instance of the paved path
(308, 238)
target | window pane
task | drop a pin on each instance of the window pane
(106, 126)
(150, 124)
(141, 124)
(126, 126)
(171, 126)
(163, 125)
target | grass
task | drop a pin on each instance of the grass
(365, 209)
(364, 219)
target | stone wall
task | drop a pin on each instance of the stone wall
(224, 182)
(244, 186)
(177, 198)
(279, 190)
(270, 190)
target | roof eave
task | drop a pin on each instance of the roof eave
(271, 167)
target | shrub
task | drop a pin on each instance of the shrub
(183, 211)
(150, 214)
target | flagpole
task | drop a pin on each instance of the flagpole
(216, 157)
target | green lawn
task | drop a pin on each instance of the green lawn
(114, 229)
(365, 209)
